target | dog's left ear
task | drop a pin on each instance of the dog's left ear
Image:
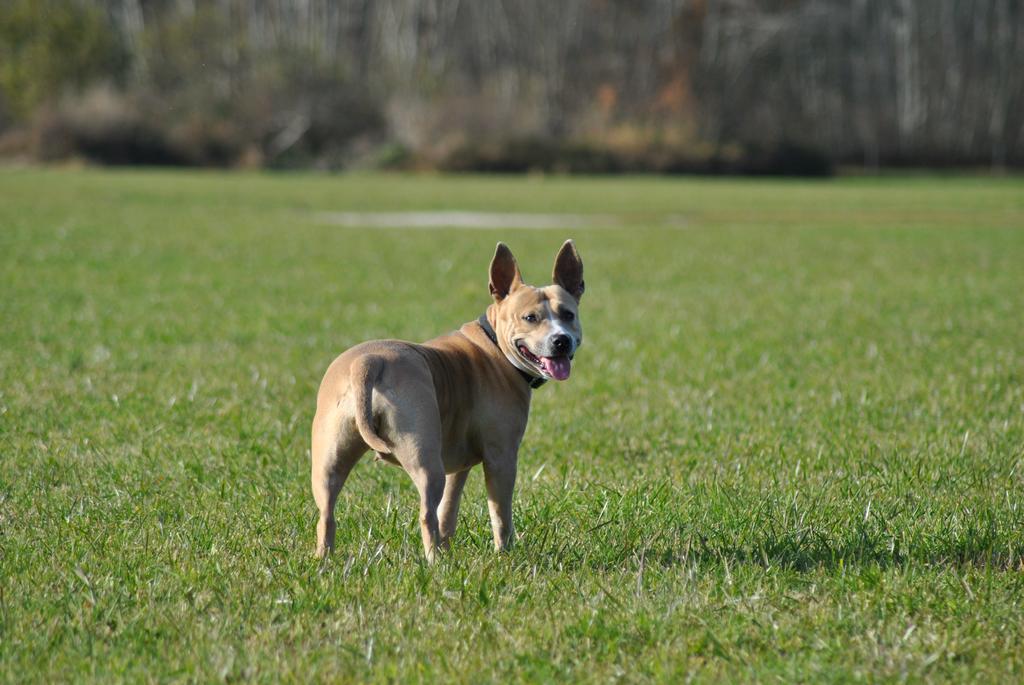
(569, 270)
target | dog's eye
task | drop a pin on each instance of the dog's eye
(568, 316)
(530, 318)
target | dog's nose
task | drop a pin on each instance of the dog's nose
(562, 343)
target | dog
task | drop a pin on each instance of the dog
(440, 408)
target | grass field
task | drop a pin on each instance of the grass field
(791, 448)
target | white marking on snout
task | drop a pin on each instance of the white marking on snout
(558, 327)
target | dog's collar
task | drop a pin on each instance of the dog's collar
(533, 381)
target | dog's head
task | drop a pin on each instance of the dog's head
(538, 329)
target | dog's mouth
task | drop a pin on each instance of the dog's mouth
(551, 367)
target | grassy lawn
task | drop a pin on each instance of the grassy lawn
(792, 448)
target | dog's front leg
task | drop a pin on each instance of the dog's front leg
(500, 474)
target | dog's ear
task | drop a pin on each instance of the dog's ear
(569, 270)
(505, 276)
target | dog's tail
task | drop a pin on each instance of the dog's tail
(363, 373)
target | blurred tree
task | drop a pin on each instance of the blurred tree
(654, 84)
(49, 46)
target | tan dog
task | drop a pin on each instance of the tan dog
(440, 408)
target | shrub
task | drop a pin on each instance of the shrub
(533, 154)
(552, 156)
(102, 126)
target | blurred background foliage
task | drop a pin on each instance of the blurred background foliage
(597, 86)
(47, 46)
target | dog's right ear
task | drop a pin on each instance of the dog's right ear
(505, 276)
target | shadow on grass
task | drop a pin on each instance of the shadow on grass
(810, 550)
(824, 554)
(660, 524)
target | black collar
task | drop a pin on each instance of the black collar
(533, 381)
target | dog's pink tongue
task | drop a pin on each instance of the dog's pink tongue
(557, 367)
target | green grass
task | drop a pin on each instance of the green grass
(791, 449)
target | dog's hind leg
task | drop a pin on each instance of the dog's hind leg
(416, 436)
(430, 483)
(448, 511)
(336, 448)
